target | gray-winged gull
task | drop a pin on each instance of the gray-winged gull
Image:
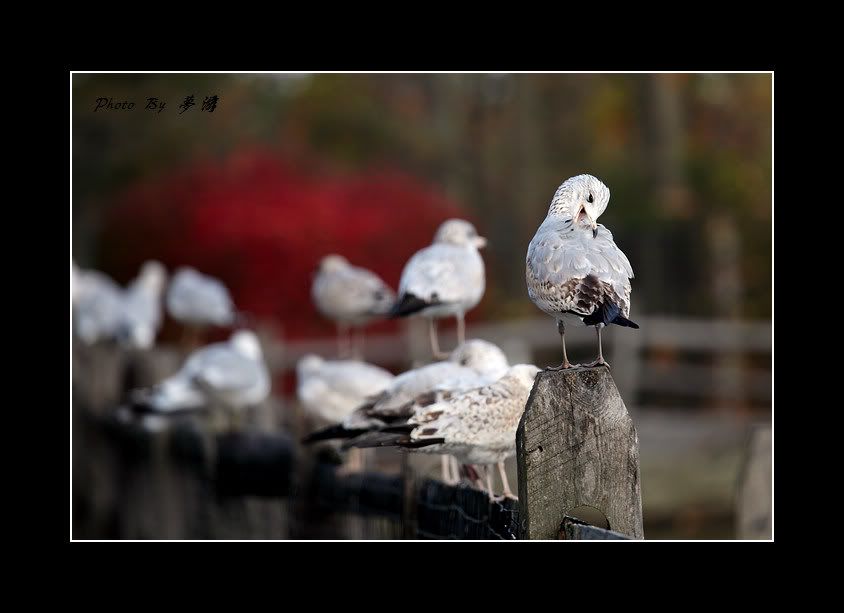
(97, 305)
(231, 375)
(329, 390)
(573, 266)
(472, 364)
(141, 316)
(197, 299)
(350, 296)
(478, 427)
(445, 279)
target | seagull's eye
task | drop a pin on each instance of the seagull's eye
(590, 199)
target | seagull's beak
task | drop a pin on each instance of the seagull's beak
(480, 242)
(593, 223)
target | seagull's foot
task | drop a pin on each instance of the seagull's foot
(598, 362)
(564, 366)
(503, 497)
(440, 355)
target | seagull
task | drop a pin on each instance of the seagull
(197, 300)
(473, 364)
(444, 279)
(350, 296)
(97, 305)
(478, 426)
(329, 390)
(141, 315)
(231, 375)
(574, 268)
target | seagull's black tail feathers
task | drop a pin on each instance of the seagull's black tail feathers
(331, 433)
(608, 313)
(408, 304)
(391, 439)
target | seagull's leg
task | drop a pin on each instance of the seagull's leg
(561, 328)
(600, 361)
(488, 473)
(343, 341)
(455, 469)
(435, 343)
(445, 470)
(357, 343)
(461, 328)
(507, 492)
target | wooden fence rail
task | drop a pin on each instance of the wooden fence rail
(184, 481)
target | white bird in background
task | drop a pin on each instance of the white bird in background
(573, 266)
(141, 315)
(473, 364)
(97, 305)
(444, 279)
(351, 297)
(478, 426)
(197, 301)
(231, 375)
(331, 389)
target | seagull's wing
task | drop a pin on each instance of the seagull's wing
(201, 299)
(444, 273)
(483, 418)
(352, 293)
(577, 270)
(226, 371)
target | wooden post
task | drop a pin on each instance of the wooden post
(753, 512)
(576, 445)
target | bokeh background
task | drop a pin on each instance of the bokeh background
(288, 168)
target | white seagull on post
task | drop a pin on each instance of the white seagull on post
(141, 316)
(231, 375)
(445, 279)
(473, 364)
(574, 268)
(478, 426)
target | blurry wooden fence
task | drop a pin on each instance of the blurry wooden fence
(723, 361)
(182, 477)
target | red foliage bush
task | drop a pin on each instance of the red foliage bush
(260, 224)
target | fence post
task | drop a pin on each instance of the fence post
(753, 502)
(576, 445)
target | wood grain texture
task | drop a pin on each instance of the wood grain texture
(753, 512)
(577, 445)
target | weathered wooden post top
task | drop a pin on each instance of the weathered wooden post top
(577, 447)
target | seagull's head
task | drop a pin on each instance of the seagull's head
(246, 343)
(524, 374)
(333, 263)
(153, 275)
(582, 199)
(481, 356)
(308, 365)
(459, 232)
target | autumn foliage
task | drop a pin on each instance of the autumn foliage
(261, 223)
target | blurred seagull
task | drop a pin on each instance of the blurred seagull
(478, 426)
(97, 305)
(331, 389)
(473, 364)
(141, 315)
(230, 375)
(444, 279)
(573, 266)
(197, 301)
(351, 297)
